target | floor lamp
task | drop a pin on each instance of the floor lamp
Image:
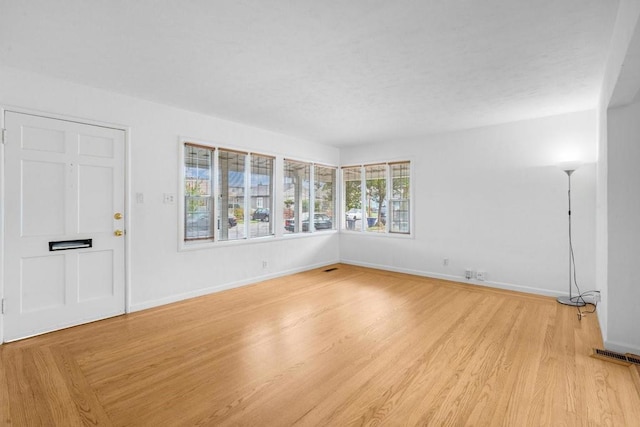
(576, 301)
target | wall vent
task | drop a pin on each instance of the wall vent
(619, 358)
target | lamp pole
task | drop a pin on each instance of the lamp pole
(571, 300)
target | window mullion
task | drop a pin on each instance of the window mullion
(389, 196)
(215, 167)
(312, 198)
(363, 198)
(247, 195)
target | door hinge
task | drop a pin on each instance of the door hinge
(2, 309)
(4, 136)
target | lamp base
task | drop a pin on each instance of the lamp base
(573, 301)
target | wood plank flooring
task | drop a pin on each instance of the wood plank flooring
(353, 346)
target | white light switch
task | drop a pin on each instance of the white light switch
(139, 198)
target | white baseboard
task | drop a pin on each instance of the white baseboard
(459, 279)
(222, 287)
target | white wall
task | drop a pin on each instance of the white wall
(493, 199)
(624, 228)
(158, 272)
(616, 80)
(602, 233)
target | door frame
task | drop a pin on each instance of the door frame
(127, 194)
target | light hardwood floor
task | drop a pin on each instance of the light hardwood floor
(353, 346)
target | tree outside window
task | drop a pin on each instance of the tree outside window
(376, 197)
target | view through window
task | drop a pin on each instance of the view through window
(261, 192)
(237, 204)
(377, 198)
(296, 191)
(325, 190)
(198, 192)
(229, 195)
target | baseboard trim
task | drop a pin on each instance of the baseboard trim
(222, 287)
(459, 279)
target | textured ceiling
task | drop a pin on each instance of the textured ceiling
(333, 71)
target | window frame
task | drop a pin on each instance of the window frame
(312, 199)
(214, 240)
(276, 213)
(361, 228)
(211, 197)
(336, 184)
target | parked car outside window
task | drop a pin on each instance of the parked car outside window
(198, 222)
(289, 224)
(261, 214)
(321, 222)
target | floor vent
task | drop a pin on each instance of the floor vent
(612, 356)
(633, 359)
(330, 269)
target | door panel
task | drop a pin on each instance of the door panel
(49, 140)
(95, 278)
(64, 181)
(92, 204)
(96, 146)
(43, 283)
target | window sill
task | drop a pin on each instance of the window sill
(377, 235)
(202, 245)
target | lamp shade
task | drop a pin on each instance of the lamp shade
(569, 167)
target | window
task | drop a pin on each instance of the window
(376, 198)
(324, 182)
(261, 196)
(352, 190)
(198, 195)
(399, 198)
(223, 191)
(229, 195)
(231, 183)
(297, 188)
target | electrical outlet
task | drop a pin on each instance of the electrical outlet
(468, 274)
(264, 264)
(480, 275)
(445, 262)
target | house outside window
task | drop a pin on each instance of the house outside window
(261, 193)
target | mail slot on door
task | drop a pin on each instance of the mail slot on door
(65, 245)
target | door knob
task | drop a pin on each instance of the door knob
(118, 233)
(117, 215)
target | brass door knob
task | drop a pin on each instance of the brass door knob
(118, 233)
(117, 215)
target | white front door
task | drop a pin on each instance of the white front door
(64, 224)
